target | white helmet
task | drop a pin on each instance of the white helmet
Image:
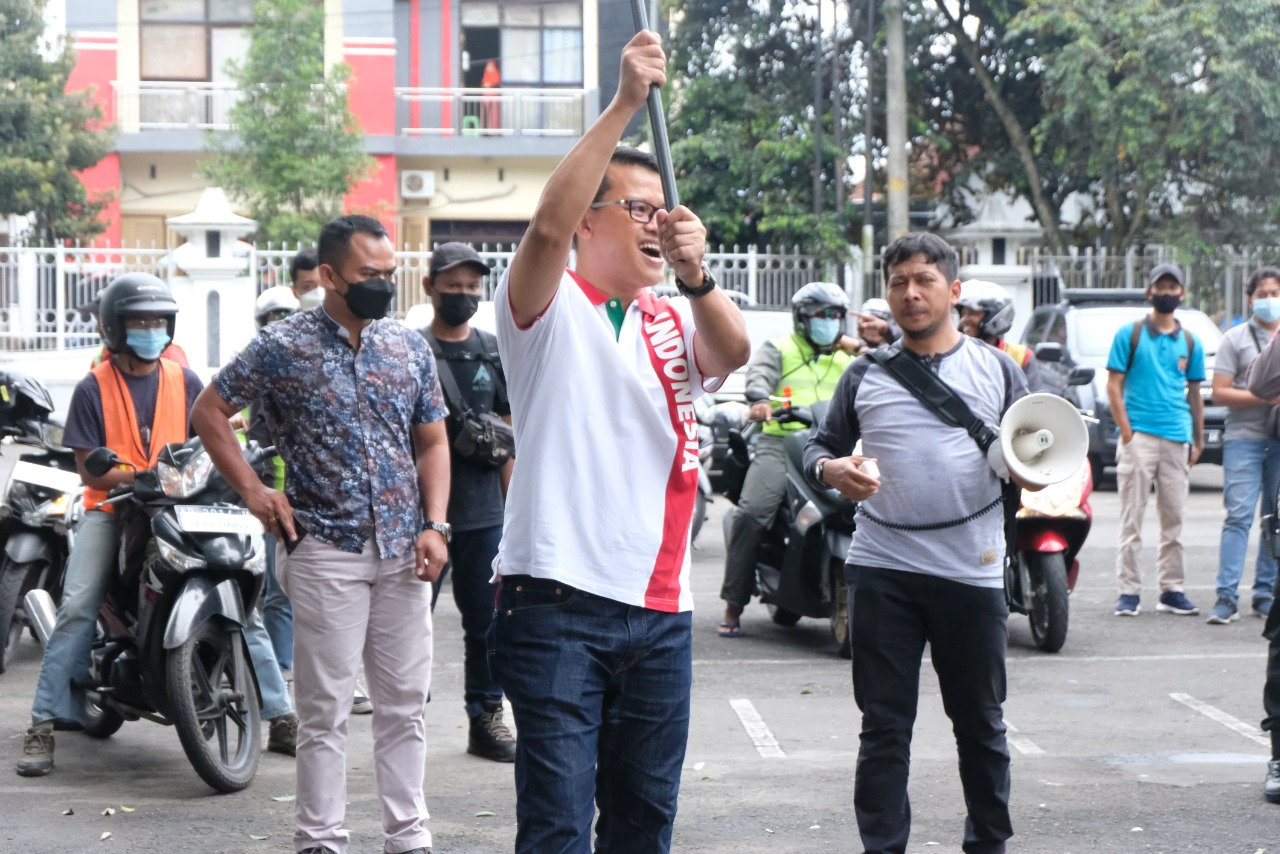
(272, 301)
(879, 308)
(981, 295)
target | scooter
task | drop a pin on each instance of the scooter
(40, 507)
(800, 571)
(172, 647)
(1051, 528)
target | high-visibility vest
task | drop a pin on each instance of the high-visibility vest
(1020, 353)
(120, 419)
(810, 379)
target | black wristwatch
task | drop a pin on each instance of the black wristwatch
(708, 285)
(444, 529)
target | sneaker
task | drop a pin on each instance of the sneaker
(37, 751)
(360, 703)
(282, 737)
(1222, 613)
(1262, 607)
(1127, 606)
(1271, 785)
(489, 737)
(1176, 602)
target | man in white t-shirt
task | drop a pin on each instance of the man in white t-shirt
(592, 638)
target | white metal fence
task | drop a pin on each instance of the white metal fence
(42, 290)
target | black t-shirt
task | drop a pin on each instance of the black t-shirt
(86, 428)
(475, 496)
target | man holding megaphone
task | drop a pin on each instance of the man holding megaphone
(927, 561)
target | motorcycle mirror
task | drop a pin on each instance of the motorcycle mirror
(1049, 351)
(1080, 375)
(100, 461)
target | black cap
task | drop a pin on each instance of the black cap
(1159, 271)
(449, 255)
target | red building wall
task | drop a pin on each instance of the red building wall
(95, 69)
(371, 94)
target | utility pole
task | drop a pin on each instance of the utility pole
(817, 108)
(868, 195)
(896, 116)
(837, 137)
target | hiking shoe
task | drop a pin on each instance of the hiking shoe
(1271, 785)
(1222, 613)
(37, 751)
(1262, 607)
(360, 703)
(1127, 606)
(1176, 602)
(283, 735)
(489, 737)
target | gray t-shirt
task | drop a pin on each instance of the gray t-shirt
(1239, 347)
(930, 473)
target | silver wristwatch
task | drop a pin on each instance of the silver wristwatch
(444, 529)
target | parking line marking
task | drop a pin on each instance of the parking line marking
(766, 745)
(1216, 714)
(720, 663)
(1025, 746)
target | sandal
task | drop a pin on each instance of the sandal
(730, 630)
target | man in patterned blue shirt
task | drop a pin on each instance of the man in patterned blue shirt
(356, 408)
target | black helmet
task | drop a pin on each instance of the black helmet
(812, 299)
(133, 293)
(981, 295)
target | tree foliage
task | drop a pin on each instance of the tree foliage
(295, 147)
(740, 97)
(47, 134)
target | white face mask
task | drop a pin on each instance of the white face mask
(824, 331)
(1267, 309)
(311, 299)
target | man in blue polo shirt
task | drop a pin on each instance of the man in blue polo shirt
(1154, 375)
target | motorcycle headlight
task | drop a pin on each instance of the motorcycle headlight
(51, 434)
(177, 559)
(1058, 499)
(24, 500)
(185, 481)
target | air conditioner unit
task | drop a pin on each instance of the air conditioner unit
(417, 183)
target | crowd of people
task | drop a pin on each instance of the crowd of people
(397, 465)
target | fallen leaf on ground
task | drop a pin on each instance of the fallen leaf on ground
(108, 811)
(283, 797)
(124, 808)
(252, 836)
(106, 834)
(483, 813)
(68, 811)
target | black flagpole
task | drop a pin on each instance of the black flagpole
(658, 122)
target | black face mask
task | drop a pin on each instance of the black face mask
(370, 299)
(457, 309)
(1166, 303)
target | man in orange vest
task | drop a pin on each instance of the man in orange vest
(133, 403)
(986, 312)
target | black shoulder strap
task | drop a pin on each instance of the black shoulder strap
(936, 395)
(491, 355)
(1136, 335)
(448, 383)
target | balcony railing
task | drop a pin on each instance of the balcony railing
(491, 112)
(165, 105)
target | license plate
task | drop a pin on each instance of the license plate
(1213, 437)
(46, 476)
(217, 520)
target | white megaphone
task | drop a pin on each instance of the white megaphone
(1043, 439)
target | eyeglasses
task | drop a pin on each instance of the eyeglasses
(828, 314)
(641, 211)
(146, 323)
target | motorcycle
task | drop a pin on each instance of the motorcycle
(40, 507)
(1050, 530)
(800, 571)
(171, 646)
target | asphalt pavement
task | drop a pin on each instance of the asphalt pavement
(1140, 736)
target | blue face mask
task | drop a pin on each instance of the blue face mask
(1267, 309)
(824, 331)
(147, 344)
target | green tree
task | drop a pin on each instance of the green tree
(295, 148)
(741, 123)
(47, 134)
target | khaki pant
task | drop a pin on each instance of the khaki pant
(346, 605)
(1146, 460)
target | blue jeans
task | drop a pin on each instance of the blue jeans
(273, 693)
(600, 692)
(471, 556)
(66, 657)
(1249, 467)
(892, 615)
(277, 614)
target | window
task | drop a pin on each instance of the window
(191, 40)
(536, 44)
